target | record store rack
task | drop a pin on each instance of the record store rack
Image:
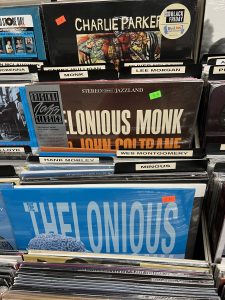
(112, 149)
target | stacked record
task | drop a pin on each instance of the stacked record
(219, 276)
(84, 276)
(8, 266)
(34, 172)
(215, 207)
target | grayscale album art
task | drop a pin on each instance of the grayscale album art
(213, 41)
(13, 126)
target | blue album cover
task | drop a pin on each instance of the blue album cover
(143, 219)
(7, 241)
(21, 34)
(16, 126)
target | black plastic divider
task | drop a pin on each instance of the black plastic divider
(162, 154)
(18, 70)
(216, 61)
(217, 73)
(219, 167)
(165, 166)
(103, 66)
(8, 153)
(15, 150)
(215, 149)
(70, 159)
(156, 63)
(7, 171)
(162, 71)
(19, 63)
(211, 58)
(84, 75)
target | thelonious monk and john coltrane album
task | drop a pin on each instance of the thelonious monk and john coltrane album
(112, 31)
(113, 115)
(116, 218)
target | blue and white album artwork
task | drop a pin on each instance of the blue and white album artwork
(7, 241)
(21, 33)
(16, 126)
(142, 219)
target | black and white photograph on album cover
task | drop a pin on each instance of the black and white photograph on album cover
(213, 41)
(13, 126)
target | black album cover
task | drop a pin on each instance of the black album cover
(114, 115)
(214, 111)
(218, 226)
(84, 32)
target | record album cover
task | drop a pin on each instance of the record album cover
(16, 127)
(91, 32)
(111, 218)
(218, 224)
(112, 115)
(21, 33)
(215, 113)
(213, 39)
(7, 242)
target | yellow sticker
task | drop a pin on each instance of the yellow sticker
(174, 21)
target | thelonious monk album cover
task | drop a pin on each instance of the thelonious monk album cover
(113, 115)
(151, 219)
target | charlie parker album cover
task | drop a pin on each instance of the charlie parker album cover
(113, 31)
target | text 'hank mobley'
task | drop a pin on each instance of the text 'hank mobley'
(106, 122)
